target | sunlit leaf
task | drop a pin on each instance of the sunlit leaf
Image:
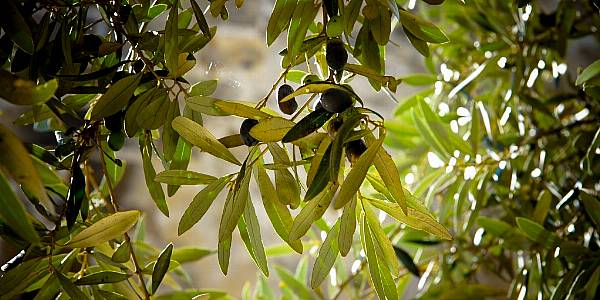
(271, 129)
(16, 162)
(357, 174)
(105, 229)
(182, 177)
(326, 257)
(13, 213)
(201, 203)
(202, 138)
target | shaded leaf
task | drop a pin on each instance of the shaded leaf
(116, 97)
(102, 277)
(161, 267)
(307, 125)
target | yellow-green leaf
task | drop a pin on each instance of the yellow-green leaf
(241, 110)
(250, 231)
(326, 257)
(201, 203)
(16, 162)
(357, 174)
(347, 226)
(271, 129)
(105, 229)
(234, 206)
(287, 186)
(415, 218)
(13, 213)
(183, 177)
(202, 138)
(314, 209)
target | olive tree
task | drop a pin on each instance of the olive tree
(493, 168)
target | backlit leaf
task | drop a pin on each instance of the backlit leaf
(357, 174)
(16, 162)
(201, 203)
(105, 229)
(326, 257)
(182, 177)
(13, 213)
(271, 129)
(202, 138)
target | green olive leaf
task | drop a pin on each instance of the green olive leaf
(280, 19)
(249, 228)
(105, 229)
(102, 277)
(161, 267)
(347, 226)
(422, 29)
(182, 177)
(277, 212)
(357, 174)
(307, 125)
(202, 138)
(13, 213)
(116, 97)
(326, 257)
(201, 203)
(271, 129)
(16, 162)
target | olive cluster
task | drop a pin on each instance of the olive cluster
(333, 100)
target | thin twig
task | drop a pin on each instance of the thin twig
(115, 207)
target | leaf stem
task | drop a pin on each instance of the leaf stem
(115, 207)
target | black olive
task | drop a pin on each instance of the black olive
(331, 6)
(333, 126)
(91, 43)
(336, 100)
(354, 149)
(114, 122)
(288, 107)
(434, 2)
(245, 132)
(116, 140)
(138, 66)
(336, 55)
(310, 78)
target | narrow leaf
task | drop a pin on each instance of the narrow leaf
(202, 138)
(161, 267)
(105, 229)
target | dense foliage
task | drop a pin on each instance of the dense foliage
(497, 153)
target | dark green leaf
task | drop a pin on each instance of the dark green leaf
(161, 267)
(116, 97)
(102, 277)
(307, 125)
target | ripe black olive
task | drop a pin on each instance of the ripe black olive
(245, 132)
(116, 140)
(114, 122)
(138, 66)
(336, 100)
(336, 55)
(354, 149)
(288, 107)
(334, 126)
